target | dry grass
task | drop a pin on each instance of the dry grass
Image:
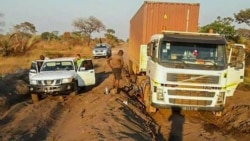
(51, 49)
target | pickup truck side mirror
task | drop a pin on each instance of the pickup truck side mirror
(33, 71)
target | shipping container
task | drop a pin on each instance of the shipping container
(154, 17)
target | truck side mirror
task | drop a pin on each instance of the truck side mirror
(148, 49)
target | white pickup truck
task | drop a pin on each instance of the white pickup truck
(59, 76)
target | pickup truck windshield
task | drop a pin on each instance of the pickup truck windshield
(57, 65)
(193, 54)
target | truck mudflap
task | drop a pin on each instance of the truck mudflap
(52, 89)
(185, 107)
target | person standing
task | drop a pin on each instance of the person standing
(78, 60)
(42, 57)
(40, 62)
(116, 63)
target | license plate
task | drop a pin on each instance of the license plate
(190, 108)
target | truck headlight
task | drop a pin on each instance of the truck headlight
(33, 82)
(221, 98)
(160, 95)
(67, 80)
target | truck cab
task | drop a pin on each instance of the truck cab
(194, 71)
(59, 76)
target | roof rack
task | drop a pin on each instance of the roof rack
(190, 33)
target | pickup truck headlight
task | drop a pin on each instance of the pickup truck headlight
(67, 80)
(33, 82)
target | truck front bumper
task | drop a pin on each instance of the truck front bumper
(186, 107)
(52, 89)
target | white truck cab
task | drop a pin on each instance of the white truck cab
(59, 76)
(194, 71)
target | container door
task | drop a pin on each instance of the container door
(236, 67)
(86, 73)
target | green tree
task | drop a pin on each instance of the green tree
(221, 26)
(112, 39)
(243, 16)
(50, 35)
(45, 36)
(86, 26)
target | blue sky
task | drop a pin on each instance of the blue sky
(58, 15)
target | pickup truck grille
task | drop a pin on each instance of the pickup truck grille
(49, 82)
(192, 78)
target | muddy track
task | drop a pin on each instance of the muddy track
(15, 123)
(234, 124)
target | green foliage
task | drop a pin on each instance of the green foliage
(45, 35)
(49, 36)
(243, 16)
(221, 26)
(112, 39)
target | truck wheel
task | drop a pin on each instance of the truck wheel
(218, 113)
(34, 98)
(146, 98)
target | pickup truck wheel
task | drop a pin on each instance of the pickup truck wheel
(34, 98)
(75, 92)
(146, 98)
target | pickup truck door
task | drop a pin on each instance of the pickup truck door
(236, 68)
(35, 68)
(86, 73)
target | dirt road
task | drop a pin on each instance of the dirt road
(94, 116)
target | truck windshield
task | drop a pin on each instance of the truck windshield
(57, 65)
(193, 54)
